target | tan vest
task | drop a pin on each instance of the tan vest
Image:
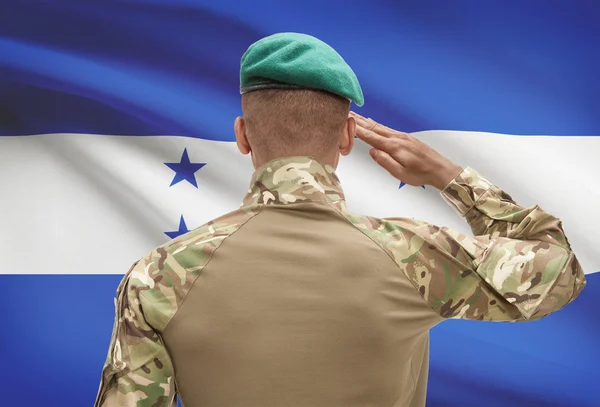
(294, 301)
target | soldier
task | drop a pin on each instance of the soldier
(292, 300)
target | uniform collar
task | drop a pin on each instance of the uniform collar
(294, 179)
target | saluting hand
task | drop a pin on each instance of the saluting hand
(404, 156)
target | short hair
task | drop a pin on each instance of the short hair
(284, 122)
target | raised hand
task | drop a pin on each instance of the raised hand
(404, 156)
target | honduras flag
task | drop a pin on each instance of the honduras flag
(116, 134)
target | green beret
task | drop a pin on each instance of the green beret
(297, 61)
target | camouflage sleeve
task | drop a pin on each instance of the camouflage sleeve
(522, 262)
(138, 370)
(519, 266)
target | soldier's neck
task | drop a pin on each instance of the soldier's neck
(325, 159)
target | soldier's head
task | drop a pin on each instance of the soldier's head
(296, 94)
(293, 122)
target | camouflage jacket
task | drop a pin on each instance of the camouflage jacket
(519, 266)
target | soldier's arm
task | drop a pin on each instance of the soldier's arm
(138, 370)
(519, 266)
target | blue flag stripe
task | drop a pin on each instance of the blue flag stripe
(163, 67)
(519, 364)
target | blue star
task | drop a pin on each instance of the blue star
(403, 183)
(185, 170)
(182, 229)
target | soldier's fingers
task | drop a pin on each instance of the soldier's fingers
(365, 123)
(379, 128)
(358, 117)
(388, 163)
(375, 140)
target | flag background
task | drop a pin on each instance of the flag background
(96, 97)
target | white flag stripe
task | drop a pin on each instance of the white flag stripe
(93, 204)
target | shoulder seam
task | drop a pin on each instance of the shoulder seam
(368, 237)
(260, 209)
(391, 258)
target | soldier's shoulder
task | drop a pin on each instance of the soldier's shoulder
(195, 246)
(211, 232)
(166, 274)
(417, 234)
(405, 238)
(386, 228)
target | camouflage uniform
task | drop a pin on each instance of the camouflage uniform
(307, 304)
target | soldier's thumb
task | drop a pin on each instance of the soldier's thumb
(388, 163)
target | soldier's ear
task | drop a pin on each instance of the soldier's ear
(239, 127)
(347, 139)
